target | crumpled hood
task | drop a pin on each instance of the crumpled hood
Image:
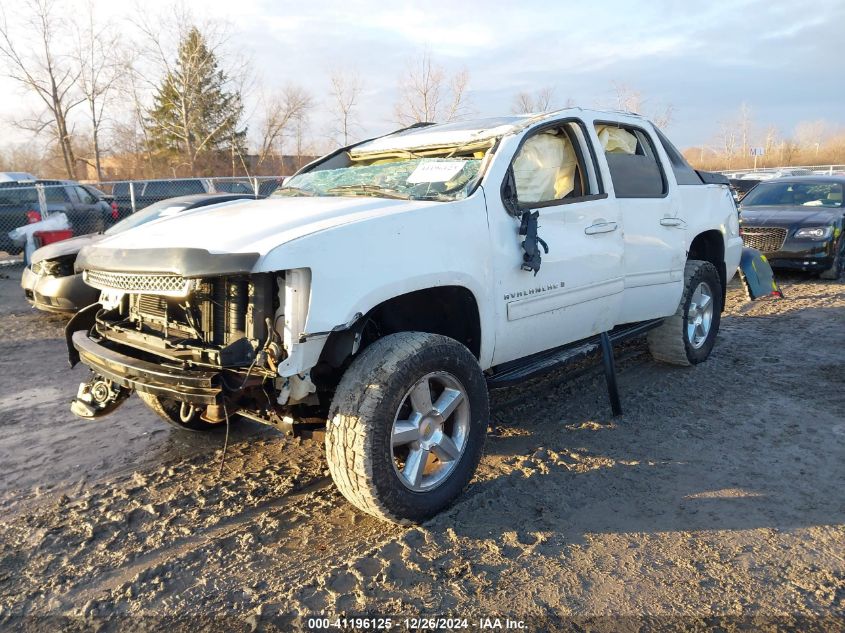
(66, 247)
(255, 226)
(788, 216)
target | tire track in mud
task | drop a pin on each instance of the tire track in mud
(357, 540)
(274, 537)
(111, 580)
(89, 577)
(14, 502)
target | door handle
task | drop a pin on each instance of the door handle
(677, 222)
(601, 227)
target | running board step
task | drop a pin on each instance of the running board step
(509, 374)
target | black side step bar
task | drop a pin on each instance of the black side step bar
(513, 372)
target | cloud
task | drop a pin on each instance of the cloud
(703, 59)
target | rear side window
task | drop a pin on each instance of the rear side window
(684, 173)
(85, 196)
(18, 195)
(56, 194)
(634, 166)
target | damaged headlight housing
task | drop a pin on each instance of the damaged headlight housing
(814, 232)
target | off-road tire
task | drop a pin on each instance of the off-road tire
(835, 271)
(358, 432)
(669, 343)
(168, 410)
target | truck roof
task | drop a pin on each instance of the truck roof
(16, 176)
(460, 132)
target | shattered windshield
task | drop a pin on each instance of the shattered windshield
(410, 178)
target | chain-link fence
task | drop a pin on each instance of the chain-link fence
(793, 170)
(34, 213)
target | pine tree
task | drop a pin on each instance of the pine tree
(195, 116)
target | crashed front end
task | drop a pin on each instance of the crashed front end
(217, 342)
(52, 286)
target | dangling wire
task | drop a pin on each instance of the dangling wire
(225, 441)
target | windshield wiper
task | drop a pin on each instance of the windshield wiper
(434, 195)
(295, 191)
(370, 190)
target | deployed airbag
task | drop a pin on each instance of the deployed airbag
(616, 140)
(545, 168)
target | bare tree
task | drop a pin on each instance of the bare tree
(727, 140)
(523, 103)
(526, 102)
(345, 92)
(663, 119)
(301, 123)
(281, 111)
(36, 65)
(744, 128)
(809, 135)
(23, 157)
(771, 142)
(98, 58)
(426, 94)
(627, 98)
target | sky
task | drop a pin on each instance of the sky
(703, 59)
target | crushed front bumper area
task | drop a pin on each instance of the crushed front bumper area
(806, 255)
(193, 386)
(57, 294)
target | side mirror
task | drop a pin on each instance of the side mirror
(509, 194)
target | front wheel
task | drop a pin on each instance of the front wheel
(407, 426)
(835, 270)
(687, 337)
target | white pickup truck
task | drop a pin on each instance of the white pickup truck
(389, 284)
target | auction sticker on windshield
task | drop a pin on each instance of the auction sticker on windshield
(436, 171)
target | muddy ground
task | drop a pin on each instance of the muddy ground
(717, 499)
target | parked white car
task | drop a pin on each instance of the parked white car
(777, 173)
(388, 284)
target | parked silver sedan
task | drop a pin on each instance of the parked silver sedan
(50, 282)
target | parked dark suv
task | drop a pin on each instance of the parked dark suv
(88, 209)
(146, 192)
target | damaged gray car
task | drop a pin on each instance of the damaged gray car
(50, 282)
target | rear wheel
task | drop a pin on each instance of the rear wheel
(407, 426)
(687, 337)
(178, 414)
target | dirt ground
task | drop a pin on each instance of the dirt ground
(716, 500)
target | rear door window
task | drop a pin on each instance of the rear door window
(85, 196)
(55, 193)
(632, 160)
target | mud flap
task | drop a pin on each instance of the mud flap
(757, 275)
(82, 320)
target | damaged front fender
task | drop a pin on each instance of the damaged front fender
(82, 320)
